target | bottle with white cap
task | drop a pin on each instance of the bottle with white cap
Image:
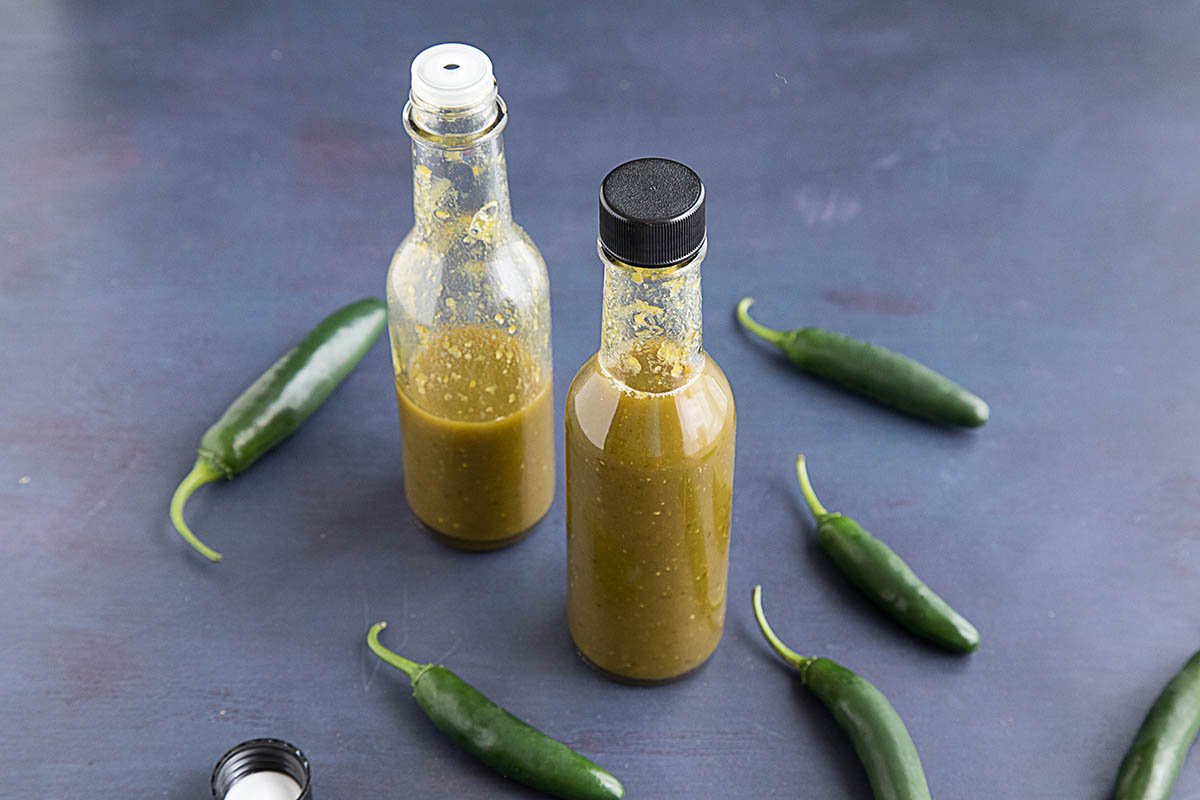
(469, 317)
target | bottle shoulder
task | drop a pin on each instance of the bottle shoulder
(688, 422)
(422, 258)
(427, 280)
(525, 241)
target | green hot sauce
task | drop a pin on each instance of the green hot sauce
(650, 426)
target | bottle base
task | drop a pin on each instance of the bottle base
(477, 545)
(642, 682)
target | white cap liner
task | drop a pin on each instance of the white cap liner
(452, 76)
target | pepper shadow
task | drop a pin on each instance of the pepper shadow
(375, 518)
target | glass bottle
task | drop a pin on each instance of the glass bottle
(650, 426)
(469, 318)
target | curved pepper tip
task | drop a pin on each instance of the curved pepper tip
(819, 511)
(797, 661)
(773, 336)
(202, 473)
(409, 668)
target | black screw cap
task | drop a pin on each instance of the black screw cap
(652, 212)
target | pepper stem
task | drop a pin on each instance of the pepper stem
(806, 487)
(773, 336)
(202, 472)
(790, 656)
(410, 668)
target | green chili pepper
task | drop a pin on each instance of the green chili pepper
(879, 736)
(497, 738)
(1152, 765)
(876, 372)
(280, 399)
(885, 578)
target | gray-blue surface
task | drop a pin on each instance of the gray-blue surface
(1008, 191)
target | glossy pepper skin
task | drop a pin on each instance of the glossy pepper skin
(279, 400)
(879, 736)
(885, 578)
(883, 375)
(1152, 765)
(890, 583)
(513, 748)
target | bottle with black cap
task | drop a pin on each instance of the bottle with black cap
(649, 442)
(469, 317)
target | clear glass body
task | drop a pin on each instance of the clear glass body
(469, 321)
(650, 427)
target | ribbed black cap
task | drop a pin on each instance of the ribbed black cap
(259, 755)
(652, 212)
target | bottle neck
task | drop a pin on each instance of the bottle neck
(651, 333)
(460, 179)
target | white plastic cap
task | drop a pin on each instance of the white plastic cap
(452, 76)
